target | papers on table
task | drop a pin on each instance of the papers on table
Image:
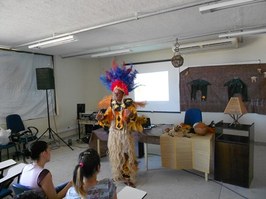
(131, 193)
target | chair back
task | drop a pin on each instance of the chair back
(19, 188)
(192, 116)
(15, 123)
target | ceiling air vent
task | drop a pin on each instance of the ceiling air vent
(209, 45)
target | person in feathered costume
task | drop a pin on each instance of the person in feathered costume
(122, 119)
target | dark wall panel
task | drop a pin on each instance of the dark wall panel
(217, 94)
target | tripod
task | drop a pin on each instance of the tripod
(49, 129)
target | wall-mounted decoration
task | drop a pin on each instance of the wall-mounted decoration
(177, 60)
(224, 83)
(199, 85)
(260, 74)
(237, 86)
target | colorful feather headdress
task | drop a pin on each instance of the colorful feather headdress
(121, 78)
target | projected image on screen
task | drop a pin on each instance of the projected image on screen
(159, 87)
(149, 87)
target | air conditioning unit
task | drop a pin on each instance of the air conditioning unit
(208, 45)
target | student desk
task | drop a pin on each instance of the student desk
(12, 173)
(5, 164)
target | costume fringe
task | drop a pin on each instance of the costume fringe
(120, 142)
(140, 104)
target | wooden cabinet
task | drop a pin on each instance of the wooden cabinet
(234, 148)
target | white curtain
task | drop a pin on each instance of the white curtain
(18, 85)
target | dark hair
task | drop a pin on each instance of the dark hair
(88, 165)
(37, 148)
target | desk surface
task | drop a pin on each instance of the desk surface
(13, 172)
(7, 163)
(152, 136)
(240, 127)
(148, 136)
(157, 130)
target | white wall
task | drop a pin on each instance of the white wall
(77, 81)
(250, 50)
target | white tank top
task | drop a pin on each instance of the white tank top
(29, 176)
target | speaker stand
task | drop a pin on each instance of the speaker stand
(49, 129)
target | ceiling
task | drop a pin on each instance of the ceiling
(103, 25)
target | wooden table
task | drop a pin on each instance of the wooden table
(187, 153)
(149, 136)
(83, 122)
(181, 152)
(101, 135)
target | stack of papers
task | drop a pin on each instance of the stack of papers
(131, 193)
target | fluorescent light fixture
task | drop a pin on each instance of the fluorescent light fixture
(244, 32)
(225, 5)
(109, 53)
(54, 42)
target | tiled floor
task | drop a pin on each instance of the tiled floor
(161, 183)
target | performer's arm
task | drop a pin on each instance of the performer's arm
(104, 119)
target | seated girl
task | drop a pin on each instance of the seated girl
(38, 178)
(85, 180)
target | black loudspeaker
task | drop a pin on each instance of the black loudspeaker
(45, 78)
(80, 109)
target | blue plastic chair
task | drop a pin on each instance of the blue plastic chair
(19, 189)
(20, 134)
(192, 116)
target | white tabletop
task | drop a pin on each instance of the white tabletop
(13, 172)
(131, 193)
(7, 163)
